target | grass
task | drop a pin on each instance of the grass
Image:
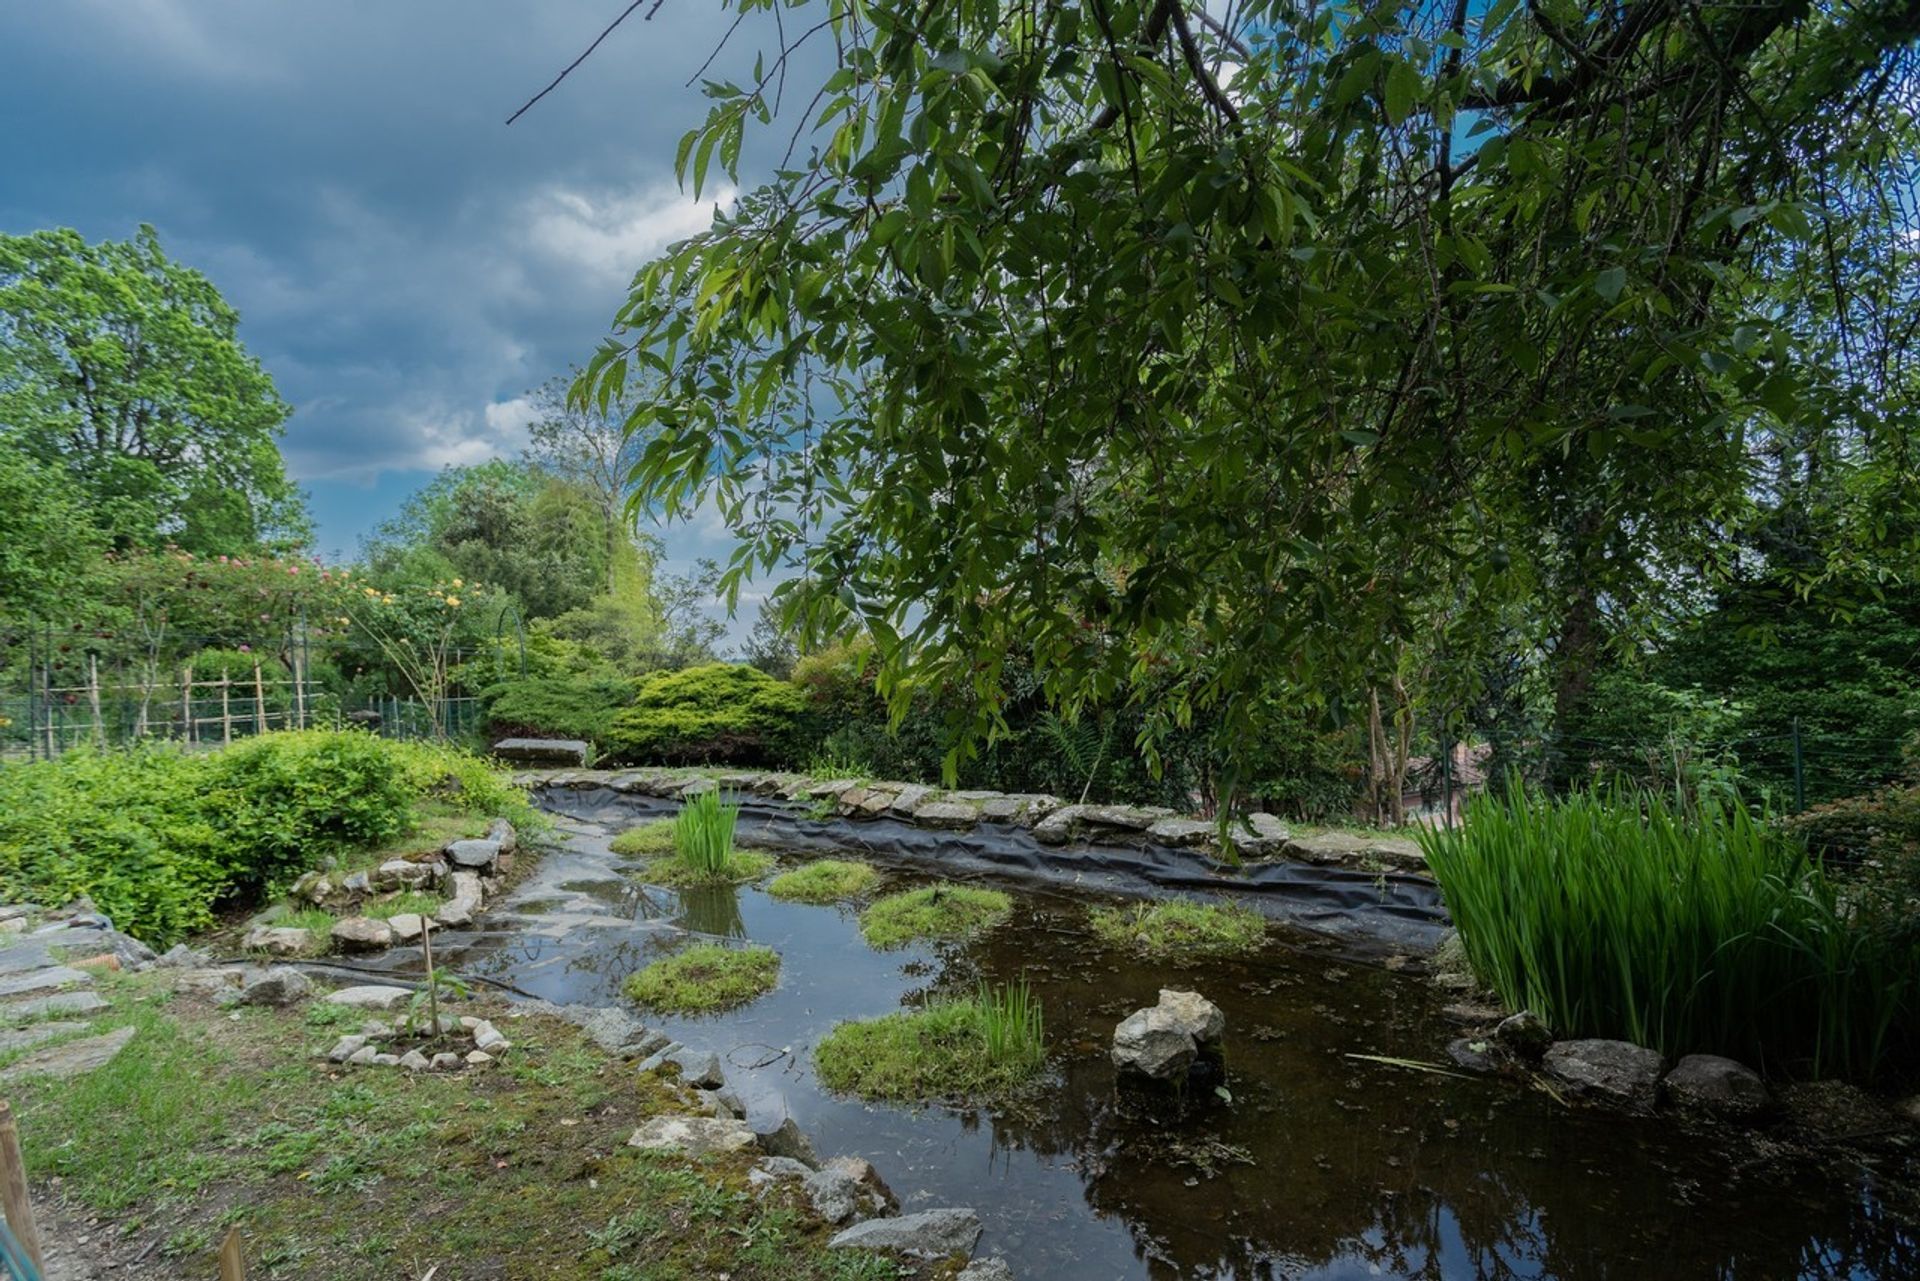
(704, 978)
(741, 865)
(987, 1045)
(317, 920)
(1180, 928)
(703, 835)
(942, 911)
(828, 880)
(207, 1121)
(407, 901)
(645, 840)
(1613, 915)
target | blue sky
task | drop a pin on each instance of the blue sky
(405, 265)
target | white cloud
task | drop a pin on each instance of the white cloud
(616, 233)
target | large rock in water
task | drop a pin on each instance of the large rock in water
(1723, 1087)
(1163, 1041)
(1608, 1071)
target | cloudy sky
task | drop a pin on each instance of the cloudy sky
(405, 265)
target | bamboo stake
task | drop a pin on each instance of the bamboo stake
(13, 1189)
(233, 1258)
(93, 699)
(299, 692)
(186, 703)
(226, 711)
(259, 702)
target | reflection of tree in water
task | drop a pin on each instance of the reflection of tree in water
(712, 909)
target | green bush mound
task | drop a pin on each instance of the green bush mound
(1615, 915)
(645, 840)
(156, 837)
(942, 911)
(830, 880)
(1872, 843)
(959, 1049)
(740, 866)
(704, 978)
(1180, 928)
(721, 713)
(580, 707)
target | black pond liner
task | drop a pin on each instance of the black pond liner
(1393, 911)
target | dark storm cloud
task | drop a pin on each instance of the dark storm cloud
(405, 265)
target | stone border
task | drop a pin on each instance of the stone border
(1052, 820)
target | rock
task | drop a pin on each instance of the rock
(835, 1197)
(861, 1171)
(72, 1058)
(833, 789)
(407, 927)
(47, 980)
(694, 1136)
(487, 1037)
(314, 887)
(1181, 831)
(1203, 1019)
(1611, 1071)
(400, 874)
(992, 1268)
(362, 934)
(876, 803)
(908, 800)
(357, 883)
(129, 951)
(275, 987)
(1125, 818)
(697, 1068)
(1720, 1086)
(445, 1061)
(57, 1003)
(954, 815)
(454, 914)
(346, 1047)
(27, 1037)
(776, 1169)
(473, 854)
(543, 751)
(385, 1060)
(1908, 1109)
(364, 1056)
(414, 1061)
(788, 1140)
(721, 1103)
(1475, 1054)
(1058, 827)
(181, 957)
(478, 1058)
(501, 833)
(929, 1234)
(277, 940)
(1523, 1035)
(370, 996)
(659, 1058)
(1342, 849)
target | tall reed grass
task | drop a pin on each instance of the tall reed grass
(1610, 914)
(703, 836)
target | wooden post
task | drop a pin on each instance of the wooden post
(93, 698)
(186, 702)
(259, 702)
(233, 1258)
(226, 711)
(13, 1190)
(299, 692)
(433, 993)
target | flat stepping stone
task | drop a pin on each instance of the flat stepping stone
(46, 980)
(58, 1003)
(371, 996)
(71, 1059)
(571, 751)
(33, 955)
(22, 1038)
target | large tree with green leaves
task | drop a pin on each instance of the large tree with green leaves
(1203, 349)
(124, 369)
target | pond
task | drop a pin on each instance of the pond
(1321, 1165)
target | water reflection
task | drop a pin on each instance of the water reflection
(713, 910)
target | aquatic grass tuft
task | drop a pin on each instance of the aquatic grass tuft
(703, 835)
(1612, 914)
(828, 880)
(645, 840)
(1180, 927)
(695, 847)
(704, 978)
(940, 911)
(986, 1045)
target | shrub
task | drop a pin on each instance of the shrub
(942, 911)
(1872, 843)
(556, 706)
(1613, 915)
(827, 881)
(1180, 928)
(705, 977)
(992, 1043)
(721, 713)
(156, 838)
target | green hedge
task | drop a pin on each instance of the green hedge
(721, 713)
(157, 838)
(557, 706)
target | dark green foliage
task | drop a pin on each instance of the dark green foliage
(156, 838)
(721, 713)
(1872, 843)
(559, 706)
(1616, 915)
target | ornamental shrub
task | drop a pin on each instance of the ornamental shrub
(556, 706)
(720, 713)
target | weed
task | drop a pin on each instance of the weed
(645, 840)
(408, 902)
(940, 911)
(703, 835)
(827, 881)
(989, 1044)
(1180, 927)
(705, 977)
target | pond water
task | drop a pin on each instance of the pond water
(1322, 1165)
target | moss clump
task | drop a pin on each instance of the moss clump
(648, 840)
(741, 865)
(1180, 927)
(986, 1045)
(407, 902)
(943, 911)
(705, 977)
(827, 881)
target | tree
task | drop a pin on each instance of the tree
(46, 540)
(124, 369)
(586, 443)
(770, 646)
(1063, 343)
